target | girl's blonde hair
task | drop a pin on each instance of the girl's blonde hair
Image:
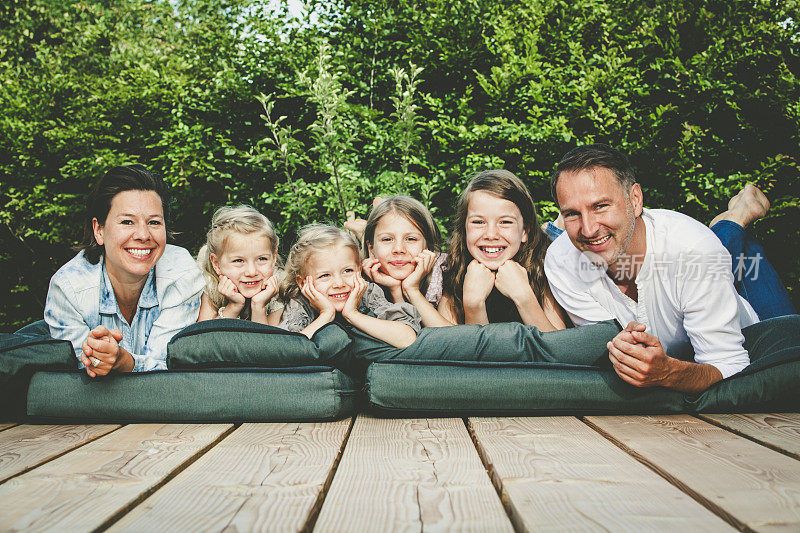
(226, 220)
(416, 213)
(311, 239)
(501, 184)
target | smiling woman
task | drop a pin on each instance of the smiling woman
(123, 297)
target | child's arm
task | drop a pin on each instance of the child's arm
(430, 316)
(208, 310)
(372, 270)
(395, 333)
(478, 284)
(258, 303)
(274, 318)
(321, 304)
(512, 281)
(235, 299)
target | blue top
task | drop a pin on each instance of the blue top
(81, 297)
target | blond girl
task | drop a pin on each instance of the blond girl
(238, 262)
(323, 283)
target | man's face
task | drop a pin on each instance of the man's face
(598, 216)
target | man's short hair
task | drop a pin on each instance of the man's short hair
(591, 156)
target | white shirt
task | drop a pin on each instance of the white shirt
(685, 289)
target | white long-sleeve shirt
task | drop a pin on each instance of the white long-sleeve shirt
(686, 296)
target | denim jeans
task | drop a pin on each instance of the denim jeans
(754, 276)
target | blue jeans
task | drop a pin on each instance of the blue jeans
(754, 276)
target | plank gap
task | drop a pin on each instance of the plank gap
(59, 454)
(742, 434)
(497, 482)
(699, 498)
(144, 495)
(314, 514)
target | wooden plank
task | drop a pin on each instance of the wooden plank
(23, 447)
(411, 474)
(262, 476)
(748, 484)
(780, 431)
(556, 473)
(90, 486)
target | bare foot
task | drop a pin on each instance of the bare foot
(559, 223)
(748, 205)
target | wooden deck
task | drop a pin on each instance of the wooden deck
(636, 473)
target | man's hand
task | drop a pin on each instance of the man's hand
(639, 359)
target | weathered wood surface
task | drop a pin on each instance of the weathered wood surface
(23, 447)
(411, 475)
(90, 486)
(261, 477)
(780, 431)
(748, 484)
(556, 473)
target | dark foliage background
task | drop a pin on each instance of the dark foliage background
(306, 117)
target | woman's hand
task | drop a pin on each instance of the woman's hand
(102, 353)
(318, 300)
(512, 281)
(478, 284)
(269, 288)
(354, 298)
(423, 265)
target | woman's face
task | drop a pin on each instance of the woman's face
(397, 241)
(495, 229)
(133, 235)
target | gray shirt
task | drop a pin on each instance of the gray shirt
(298, 313)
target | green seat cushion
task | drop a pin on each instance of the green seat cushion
(222, 395)
(22, 354)
(449, 388)
(230, 343)
(500, 342)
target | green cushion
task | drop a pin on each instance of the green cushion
(309, 393)
(22, 354)
(226, 343)
(769, 383)
(500, 342)
(459, 389)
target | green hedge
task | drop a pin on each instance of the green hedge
(306, 117)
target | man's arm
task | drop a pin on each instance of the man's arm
(639, 359)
